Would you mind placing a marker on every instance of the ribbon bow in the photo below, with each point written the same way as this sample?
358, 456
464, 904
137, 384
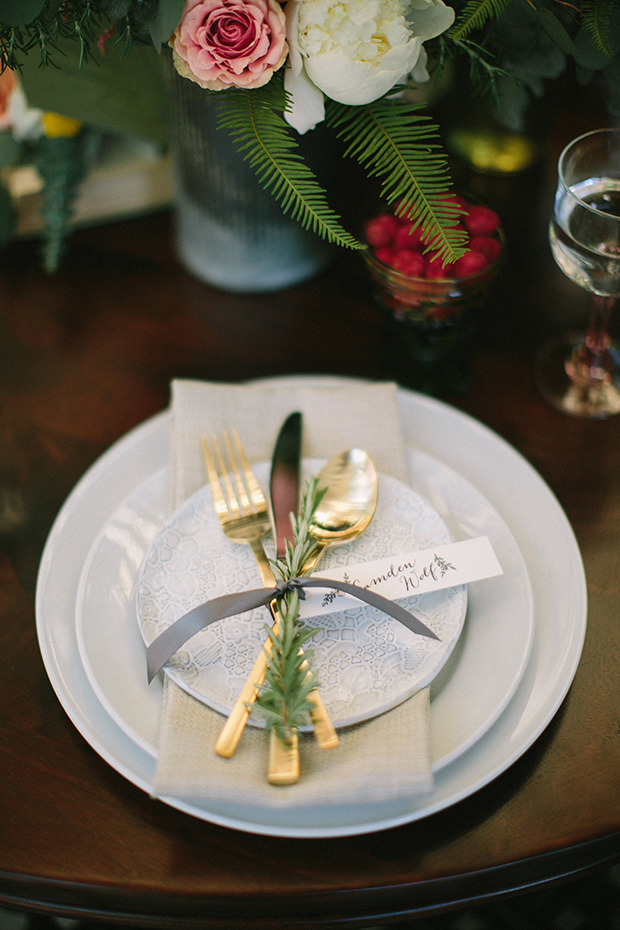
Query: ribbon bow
227, 605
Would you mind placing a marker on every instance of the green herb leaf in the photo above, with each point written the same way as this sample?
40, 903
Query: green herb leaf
284, 697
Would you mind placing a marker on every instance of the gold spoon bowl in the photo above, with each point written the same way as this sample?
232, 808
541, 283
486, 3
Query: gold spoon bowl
349, 503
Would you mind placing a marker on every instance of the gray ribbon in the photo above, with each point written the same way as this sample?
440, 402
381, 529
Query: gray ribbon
167, 643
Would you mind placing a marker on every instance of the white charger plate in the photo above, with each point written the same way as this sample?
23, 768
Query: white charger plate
367, 662
466, 699
474, 452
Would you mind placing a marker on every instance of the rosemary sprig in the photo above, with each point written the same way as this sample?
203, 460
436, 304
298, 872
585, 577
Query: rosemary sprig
284, 696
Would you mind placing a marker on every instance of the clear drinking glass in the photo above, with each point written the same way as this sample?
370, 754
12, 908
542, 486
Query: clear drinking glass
580, 373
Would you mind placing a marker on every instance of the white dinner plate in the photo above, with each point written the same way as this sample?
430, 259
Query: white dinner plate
368, 663
495, 650
475, 453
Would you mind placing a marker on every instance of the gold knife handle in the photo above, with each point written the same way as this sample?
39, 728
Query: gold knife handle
231, 733
228, 740
232, 730
324, 730
283, 759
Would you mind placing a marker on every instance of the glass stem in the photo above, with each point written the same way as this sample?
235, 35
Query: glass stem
591, 362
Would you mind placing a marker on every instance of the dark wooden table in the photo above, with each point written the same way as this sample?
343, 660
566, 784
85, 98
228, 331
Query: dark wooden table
87, 355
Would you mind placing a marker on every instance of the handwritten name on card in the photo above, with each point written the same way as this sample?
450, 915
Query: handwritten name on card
407, 575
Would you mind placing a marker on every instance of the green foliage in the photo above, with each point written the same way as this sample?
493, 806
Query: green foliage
42, 26
283, 699
7, 216
114, 93
80, 22
597, 16
512, 47
515, 46
62, 163
166, 18
557, 32
20, 12
10, 150
394, 141
255, 121
390, 138
475, 15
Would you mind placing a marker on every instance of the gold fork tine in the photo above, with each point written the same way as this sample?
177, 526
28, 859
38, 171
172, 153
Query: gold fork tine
256, 494
242, 492
234, 506
219, 501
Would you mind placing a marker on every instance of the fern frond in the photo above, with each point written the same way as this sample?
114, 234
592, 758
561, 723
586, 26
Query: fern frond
394, 141
596, 19
476, 14
255, 121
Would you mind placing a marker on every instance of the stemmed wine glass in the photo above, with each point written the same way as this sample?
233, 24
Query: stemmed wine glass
580, 374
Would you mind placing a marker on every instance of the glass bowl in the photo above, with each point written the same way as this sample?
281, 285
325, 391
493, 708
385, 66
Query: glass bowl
431, 322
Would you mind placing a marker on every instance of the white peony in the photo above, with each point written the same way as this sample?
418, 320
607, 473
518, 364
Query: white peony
354, 51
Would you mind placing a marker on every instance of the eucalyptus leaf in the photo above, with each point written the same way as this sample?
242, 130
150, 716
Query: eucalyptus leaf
556, 32
116, 93
166, 20
19, 12
513, 103
587, 54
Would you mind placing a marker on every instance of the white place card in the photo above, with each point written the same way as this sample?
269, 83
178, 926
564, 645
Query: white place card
406, 575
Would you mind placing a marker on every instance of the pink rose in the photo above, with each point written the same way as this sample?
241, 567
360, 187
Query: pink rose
230, 43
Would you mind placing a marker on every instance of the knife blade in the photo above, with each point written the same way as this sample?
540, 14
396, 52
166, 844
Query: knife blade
284, 480
284, 490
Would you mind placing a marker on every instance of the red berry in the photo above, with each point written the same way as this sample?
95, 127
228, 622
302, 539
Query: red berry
481, 221
380, 230
385, 255
408, 237
470, 263
435, 269
487, 245
460, 202
410, 263
454, 200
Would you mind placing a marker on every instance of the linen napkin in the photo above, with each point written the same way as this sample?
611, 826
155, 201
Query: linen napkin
384, 758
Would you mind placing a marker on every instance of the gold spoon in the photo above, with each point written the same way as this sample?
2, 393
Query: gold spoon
348, 505
343, 514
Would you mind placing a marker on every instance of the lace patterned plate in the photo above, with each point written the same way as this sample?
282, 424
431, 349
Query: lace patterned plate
367, 662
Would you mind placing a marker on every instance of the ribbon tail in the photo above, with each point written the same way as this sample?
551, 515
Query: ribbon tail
227, 605
172, 638
374, 600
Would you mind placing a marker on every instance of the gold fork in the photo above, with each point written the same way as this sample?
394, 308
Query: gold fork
243, 515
